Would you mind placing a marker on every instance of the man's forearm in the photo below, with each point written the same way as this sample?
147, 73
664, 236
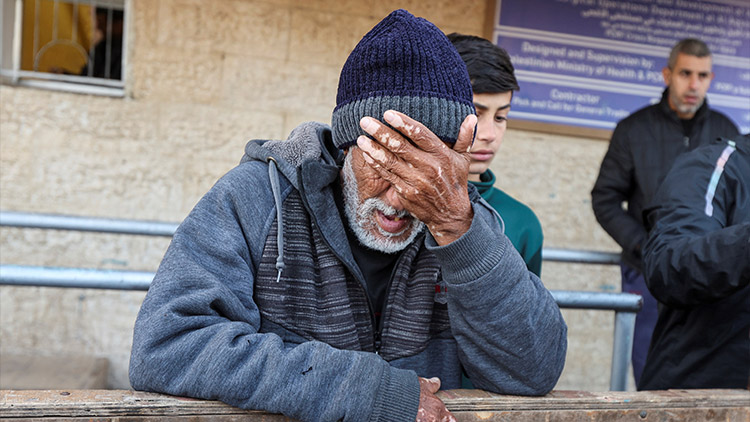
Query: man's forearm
508, 326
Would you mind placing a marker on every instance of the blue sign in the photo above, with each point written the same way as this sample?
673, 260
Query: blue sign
591, 63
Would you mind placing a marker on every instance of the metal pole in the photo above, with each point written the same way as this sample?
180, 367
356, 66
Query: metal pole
580, 256
16, 275
117, 279
622, 350
159, 228
87, 224
621, 302
17, 34
625, 305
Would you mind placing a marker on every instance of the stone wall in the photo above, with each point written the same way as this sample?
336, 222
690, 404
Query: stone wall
203, 78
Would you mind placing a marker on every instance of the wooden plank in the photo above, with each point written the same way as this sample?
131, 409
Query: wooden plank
481, 400
106, 403
467, 405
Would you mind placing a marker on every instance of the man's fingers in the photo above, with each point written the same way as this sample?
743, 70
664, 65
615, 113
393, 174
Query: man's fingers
386, 136
466, 135
435, 381
431, 408
415, 131
382, 162
388, 165
422, 137
405, 124
372, 151
432, 385
377, 157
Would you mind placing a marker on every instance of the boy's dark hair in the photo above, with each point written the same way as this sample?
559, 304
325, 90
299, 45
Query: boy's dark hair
489, 66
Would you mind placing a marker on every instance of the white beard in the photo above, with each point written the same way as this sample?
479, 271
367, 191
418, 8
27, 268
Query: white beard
686, 108
361, 216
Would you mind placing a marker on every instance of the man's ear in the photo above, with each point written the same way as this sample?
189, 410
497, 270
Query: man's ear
666, 73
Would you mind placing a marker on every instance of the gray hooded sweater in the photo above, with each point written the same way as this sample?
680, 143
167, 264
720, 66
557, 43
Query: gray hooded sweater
259, 303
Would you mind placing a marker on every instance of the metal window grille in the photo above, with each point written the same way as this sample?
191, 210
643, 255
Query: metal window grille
70, 45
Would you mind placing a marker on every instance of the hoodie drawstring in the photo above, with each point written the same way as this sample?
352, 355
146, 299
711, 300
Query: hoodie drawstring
273, 176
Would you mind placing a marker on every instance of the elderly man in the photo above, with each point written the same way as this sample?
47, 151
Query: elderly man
347, 274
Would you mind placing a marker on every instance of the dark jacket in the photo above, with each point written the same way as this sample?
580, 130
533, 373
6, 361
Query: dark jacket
697, 262
643, 147
259, 302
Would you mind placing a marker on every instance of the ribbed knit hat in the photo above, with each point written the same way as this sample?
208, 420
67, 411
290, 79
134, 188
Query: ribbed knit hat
406, 64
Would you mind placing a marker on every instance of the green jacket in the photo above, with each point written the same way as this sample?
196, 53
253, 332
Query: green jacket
521, 224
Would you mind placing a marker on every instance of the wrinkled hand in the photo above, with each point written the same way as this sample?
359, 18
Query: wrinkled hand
431, 408
429, 177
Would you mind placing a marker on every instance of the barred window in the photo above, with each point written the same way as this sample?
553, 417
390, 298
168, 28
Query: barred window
71, 45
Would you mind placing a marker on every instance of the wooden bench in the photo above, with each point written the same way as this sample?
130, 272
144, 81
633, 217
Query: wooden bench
467, 405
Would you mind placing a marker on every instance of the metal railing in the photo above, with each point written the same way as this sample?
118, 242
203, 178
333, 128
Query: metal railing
159, 228
86, 224
624, 305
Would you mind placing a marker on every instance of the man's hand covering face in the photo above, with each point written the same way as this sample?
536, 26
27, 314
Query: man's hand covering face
429, 177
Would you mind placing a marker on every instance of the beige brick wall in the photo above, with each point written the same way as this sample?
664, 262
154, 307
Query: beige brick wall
205, 77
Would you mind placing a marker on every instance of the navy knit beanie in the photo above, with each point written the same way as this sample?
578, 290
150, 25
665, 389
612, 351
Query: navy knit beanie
406, 64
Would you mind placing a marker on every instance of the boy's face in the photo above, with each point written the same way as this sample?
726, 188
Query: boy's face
492, 114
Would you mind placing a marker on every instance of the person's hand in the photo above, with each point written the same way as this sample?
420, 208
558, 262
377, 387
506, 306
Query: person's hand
429, 177
431, 408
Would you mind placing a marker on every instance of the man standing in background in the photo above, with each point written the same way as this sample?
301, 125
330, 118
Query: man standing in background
642, 149
493, 82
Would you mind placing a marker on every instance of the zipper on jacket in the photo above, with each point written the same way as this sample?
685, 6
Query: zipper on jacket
377, 336
370, 307
686, 141
346, 265
378, 326
377, 331
378, 342
370, 310
381, 327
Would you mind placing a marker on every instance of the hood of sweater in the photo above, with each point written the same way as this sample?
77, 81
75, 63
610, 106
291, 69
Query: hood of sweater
309, 161
309, 142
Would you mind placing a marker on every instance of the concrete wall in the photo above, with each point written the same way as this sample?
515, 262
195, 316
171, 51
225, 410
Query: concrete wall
203, 78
